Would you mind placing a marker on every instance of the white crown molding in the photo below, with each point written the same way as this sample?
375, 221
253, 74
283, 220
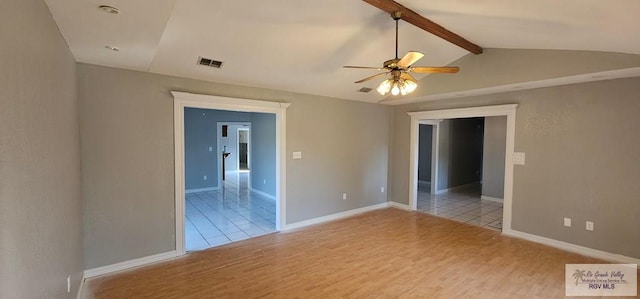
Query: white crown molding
583, 78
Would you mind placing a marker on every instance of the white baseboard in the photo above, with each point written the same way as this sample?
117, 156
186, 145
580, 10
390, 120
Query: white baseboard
456, 188
490, 198
129, 264
400, 206
201, 190
267, 195
603, 255
335, 216
80, 288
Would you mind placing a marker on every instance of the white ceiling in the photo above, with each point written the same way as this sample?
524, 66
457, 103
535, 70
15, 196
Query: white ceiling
302, 45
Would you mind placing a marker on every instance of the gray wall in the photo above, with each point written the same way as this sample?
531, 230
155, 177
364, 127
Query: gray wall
40, 200
460, 152
425, 143
200, 127
495, 142
263, 152
127, 152
583, 160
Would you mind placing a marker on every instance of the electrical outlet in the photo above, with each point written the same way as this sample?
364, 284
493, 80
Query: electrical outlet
381, 189
204, 177
68, 283
567, 222
344, 196
211, 148
589, 225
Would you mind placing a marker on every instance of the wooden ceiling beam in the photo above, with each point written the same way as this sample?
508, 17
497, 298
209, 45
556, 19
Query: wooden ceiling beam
419, 21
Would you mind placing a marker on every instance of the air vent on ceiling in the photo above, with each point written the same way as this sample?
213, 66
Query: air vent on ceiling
209, 62
364, 89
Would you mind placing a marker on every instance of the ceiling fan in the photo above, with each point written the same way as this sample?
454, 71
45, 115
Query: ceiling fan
401, 82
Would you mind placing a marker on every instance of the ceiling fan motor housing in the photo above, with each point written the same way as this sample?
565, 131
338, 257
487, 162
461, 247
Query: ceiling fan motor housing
391, 64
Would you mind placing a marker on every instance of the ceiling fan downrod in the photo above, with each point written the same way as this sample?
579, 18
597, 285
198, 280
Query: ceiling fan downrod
396, 16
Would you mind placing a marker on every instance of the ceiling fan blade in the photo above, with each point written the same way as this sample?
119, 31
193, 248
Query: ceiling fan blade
372, 77
363, 67
429, 69
410, 58
406, 76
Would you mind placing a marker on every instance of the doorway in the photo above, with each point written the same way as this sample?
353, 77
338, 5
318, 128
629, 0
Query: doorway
470, 169
243, 148
435, 117
232, 148
230, 208
184, 100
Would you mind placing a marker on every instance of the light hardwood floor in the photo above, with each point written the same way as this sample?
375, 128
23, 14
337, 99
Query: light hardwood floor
386, 253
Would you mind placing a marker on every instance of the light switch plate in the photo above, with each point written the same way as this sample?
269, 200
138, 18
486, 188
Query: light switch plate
518, 158
297, 155
567, 222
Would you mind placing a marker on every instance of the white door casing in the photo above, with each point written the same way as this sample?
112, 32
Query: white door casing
426, 116
182, 100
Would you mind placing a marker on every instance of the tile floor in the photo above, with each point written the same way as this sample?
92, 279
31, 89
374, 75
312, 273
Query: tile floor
233, 213
462, 205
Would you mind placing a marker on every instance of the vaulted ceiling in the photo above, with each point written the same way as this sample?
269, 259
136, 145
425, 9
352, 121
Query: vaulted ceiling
301, 45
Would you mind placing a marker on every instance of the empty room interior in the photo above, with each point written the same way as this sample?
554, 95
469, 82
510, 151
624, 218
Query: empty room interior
297, 149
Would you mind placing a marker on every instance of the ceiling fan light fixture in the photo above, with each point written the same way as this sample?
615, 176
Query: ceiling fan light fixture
384, 87
397, 86
408, 86
395, 90
401, 82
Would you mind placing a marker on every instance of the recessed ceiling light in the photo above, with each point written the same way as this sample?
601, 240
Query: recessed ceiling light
112, 48
109, 9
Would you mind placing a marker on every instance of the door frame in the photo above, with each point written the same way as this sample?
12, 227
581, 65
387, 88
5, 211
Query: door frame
248, 129
219, 147
182, 100
484, 111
